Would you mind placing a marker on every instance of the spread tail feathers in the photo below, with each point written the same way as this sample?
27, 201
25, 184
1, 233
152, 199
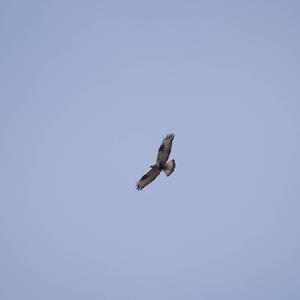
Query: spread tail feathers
169, 167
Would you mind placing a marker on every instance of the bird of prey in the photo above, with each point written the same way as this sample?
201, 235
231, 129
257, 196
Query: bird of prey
162, 163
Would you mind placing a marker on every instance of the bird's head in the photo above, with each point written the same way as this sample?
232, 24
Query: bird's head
154, 166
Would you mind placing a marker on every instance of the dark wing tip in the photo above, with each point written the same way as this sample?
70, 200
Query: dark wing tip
170, 136
138, 187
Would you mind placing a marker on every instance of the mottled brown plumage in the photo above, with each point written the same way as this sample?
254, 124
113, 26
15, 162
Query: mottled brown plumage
162, 163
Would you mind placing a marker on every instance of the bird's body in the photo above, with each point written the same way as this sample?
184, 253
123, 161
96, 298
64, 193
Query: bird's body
162, 163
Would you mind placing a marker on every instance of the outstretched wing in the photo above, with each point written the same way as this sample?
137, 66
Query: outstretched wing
147, 178
165, 150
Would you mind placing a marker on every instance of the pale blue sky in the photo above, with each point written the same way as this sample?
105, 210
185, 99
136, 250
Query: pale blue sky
88, 91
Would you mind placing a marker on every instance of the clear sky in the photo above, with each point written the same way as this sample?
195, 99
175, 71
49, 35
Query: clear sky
88, 91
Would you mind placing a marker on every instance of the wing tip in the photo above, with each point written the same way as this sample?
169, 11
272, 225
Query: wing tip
170, 136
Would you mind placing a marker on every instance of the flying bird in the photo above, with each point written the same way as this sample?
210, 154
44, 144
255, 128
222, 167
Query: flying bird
162, 163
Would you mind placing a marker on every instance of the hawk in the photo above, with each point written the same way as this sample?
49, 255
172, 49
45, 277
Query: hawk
162, 163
